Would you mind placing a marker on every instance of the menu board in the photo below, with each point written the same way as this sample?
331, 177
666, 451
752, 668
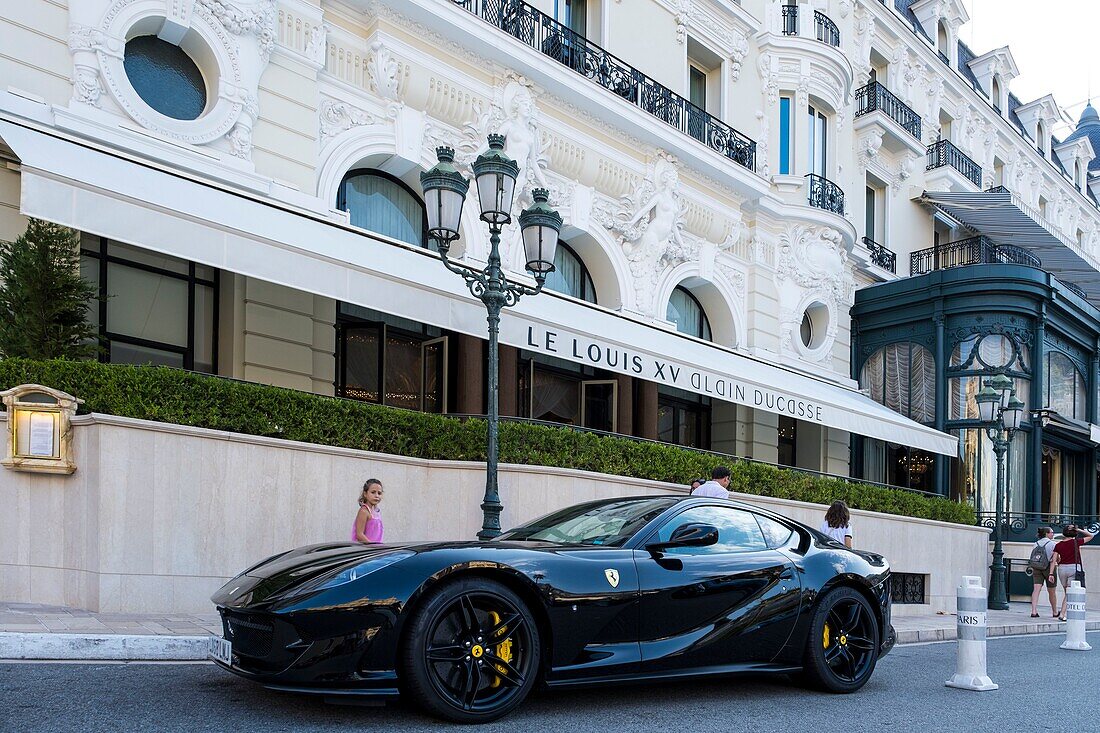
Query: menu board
42, 435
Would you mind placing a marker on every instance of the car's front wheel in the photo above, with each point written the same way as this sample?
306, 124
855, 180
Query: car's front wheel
843, 645
472, 651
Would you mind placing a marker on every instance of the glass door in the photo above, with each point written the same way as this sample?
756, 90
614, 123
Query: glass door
598, 404
433, 357
818, 139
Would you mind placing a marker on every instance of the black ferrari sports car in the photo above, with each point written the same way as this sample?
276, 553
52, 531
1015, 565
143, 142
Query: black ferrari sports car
625, 589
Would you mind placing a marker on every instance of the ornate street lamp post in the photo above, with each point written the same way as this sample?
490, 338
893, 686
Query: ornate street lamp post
444, 193
1000, 414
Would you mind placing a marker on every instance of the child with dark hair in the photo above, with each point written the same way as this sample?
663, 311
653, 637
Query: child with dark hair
838, 523
368, 521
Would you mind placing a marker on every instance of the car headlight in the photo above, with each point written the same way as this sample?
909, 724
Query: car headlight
351, 573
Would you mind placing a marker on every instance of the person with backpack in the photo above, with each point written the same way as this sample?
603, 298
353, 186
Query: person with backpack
1042, 554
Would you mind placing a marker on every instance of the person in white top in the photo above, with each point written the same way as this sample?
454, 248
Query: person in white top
838, 523
718, 486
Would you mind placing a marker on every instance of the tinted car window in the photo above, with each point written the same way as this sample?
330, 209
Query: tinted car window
776, 533
737, 530
608, 522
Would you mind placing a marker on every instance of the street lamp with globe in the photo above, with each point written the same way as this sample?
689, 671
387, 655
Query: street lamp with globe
1000, 413
444, 194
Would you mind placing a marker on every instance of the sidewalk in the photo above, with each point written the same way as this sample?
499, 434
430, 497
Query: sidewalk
33, 631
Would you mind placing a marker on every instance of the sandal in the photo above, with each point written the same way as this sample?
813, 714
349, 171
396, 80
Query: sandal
1035, 615
1062, 618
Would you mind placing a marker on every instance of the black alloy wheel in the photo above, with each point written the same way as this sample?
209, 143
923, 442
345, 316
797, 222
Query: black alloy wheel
843, 645
472, 651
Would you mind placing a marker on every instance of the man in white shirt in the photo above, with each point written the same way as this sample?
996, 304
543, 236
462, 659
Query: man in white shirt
718, 486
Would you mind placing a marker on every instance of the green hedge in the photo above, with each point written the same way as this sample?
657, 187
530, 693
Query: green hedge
184, 398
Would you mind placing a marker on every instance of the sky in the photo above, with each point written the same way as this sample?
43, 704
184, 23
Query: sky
1056, 45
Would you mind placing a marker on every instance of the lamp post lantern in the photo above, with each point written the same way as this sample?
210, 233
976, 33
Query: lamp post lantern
1000, 413
444, 194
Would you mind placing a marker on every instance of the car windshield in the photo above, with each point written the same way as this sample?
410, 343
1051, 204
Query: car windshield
608, 523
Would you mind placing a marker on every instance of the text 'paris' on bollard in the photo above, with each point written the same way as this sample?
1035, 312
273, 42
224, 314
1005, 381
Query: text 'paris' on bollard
970, 666
1075, 618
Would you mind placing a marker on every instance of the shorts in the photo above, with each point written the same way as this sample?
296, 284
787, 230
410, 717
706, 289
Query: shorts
1038, 577
1066, 573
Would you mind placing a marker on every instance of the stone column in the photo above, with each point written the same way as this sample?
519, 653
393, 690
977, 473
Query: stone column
624, 408
509, 378
645, 417
470, 385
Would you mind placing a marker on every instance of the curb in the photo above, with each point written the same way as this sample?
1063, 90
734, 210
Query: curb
107, 647
920, 636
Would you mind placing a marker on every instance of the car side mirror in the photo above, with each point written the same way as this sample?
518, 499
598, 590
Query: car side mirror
693, 534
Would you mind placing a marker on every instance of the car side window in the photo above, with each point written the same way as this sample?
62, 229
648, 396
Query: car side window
776, 533
738, 530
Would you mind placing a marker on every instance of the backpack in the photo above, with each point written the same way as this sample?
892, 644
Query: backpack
1038, 559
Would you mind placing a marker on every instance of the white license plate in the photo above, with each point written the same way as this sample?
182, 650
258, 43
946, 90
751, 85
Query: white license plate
219, 649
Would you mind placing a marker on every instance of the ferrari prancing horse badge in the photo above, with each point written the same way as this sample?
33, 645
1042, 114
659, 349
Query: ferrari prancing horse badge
612, 577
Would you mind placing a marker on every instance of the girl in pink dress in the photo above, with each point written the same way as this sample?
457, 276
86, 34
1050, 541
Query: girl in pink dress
368, 522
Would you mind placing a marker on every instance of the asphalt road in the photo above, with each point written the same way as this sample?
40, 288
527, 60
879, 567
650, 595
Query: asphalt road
905, 694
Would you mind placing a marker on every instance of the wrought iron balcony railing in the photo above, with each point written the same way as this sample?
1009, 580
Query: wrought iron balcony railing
824, 194
1074, 288
881, 255
875, 96
790, 20
973, 251
544, 34
944, 152
825, 29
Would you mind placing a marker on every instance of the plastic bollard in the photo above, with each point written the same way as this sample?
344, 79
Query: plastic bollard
970, 665
1075, 618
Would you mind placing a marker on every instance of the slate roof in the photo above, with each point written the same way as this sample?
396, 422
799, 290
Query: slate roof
1089, 127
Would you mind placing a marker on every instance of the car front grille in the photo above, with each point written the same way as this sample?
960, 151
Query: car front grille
252, 636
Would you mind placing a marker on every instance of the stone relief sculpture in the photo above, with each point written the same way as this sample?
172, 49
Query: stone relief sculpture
650, 223
812, 264
336, 117
383, 72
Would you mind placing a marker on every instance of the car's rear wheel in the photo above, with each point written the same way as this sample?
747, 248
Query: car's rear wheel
842, 649
471, 654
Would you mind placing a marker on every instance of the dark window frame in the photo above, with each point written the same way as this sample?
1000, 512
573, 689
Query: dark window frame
106, 336
586, 281
701, 407
703, 319
342, 203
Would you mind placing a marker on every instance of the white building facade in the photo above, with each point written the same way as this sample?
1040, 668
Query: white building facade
245, 179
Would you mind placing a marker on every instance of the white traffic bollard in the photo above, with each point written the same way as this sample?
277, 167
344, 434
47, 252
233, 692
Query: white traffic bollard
970, 666
1075, 618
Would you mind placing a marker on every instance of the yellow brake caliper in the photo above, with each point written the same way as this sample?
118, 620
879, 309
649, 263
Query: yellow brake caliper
825, 637
503, 649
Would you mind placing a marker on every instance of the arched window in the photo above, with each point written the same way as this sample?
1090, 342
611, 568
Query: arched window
996, 94
942, 42
1065, 387
686, 312
902, 377
570, 276
1044, 139
381, 203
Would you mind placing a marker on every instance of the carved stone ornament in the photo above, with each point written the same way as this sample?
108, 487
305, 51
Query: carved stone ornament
739, 48
650, 222
316, 49
256, 21
86, 87
762, 158
337, 117
769, 77
383, 70
814, 258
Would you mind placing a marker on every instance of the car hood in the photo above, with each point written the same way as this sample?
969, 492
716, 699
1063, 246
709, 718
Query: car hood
278, 574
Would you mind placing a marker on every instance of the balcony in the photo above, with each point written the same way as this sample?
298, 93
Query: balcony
881, 255
944, 153
544, 34
876, 98
824, 194
973, 251
825, 29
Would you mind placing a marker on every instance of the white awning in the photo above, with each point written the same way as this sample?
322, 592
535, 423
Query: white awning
105, 193
1006, 219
